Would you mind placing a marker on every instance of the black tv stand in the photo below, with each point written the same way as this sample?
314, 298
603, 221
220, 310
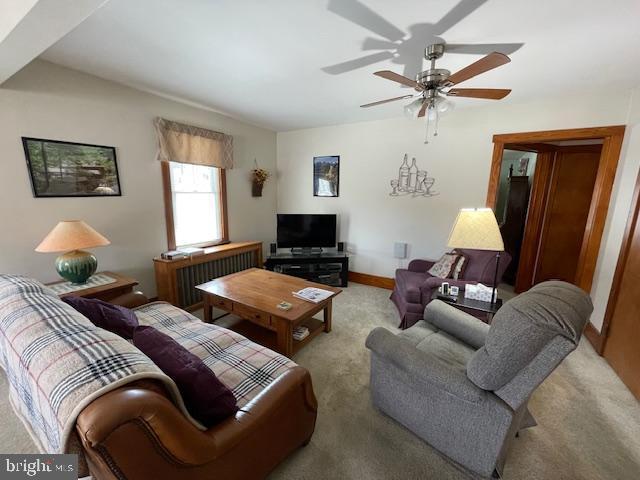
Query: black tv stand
327, 267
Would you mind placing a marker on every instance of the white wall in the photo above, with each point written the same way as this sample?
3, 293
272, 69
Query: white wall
12, 12
459, 158
626, 177
48, 101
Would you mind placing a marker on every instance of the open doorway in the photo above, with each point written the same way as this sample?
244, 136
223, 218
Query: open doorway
516, 177
550, 191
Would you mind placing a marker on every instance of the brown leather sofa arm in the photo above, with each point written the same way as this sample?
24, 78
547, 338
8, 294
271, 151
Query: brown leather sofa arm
130, 300
178, 439
259, 410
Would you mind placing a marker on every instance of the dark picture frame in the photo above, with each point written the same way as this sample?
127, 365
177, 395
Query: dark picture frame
69, 169
326, 176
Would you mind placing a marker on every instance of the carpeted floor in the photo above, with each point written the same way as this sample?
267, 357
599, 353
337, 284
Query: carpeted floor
589, 423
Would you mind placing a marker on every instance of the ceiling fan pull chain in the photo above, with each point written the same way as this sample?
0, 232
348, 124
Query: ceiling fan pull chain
426, 132
435, 128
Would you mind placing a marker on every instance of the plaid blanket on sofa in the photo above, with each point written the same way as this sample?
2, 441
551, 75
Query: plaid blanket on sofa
246, 368
57, 361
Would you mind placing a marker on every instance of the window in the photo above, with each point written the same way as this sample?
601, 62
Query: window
195, 204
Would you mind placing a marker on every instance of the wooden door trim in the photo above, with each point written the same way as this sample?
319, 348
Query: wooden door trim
627, 240
598, 212
596, 338
612, 144
494, 175
560, 135
535, 139
532, 147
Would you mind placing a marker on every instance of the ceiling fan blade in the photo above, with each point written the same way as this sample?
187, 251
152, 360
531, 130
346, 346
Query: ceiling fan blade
423, 109
380, 102
395, 77
485, 64
488, 93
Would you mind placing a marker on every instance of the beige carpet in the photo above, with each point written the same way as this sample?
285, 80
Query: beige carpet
589, 423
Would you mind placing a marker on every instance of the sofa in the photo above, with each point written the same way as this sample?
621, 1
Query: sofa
81, 389
415, 287
463, 386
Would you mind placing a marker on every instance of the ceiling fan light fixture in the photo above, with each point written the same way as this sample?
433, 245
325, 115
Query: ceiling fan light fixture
445, 106
412, 109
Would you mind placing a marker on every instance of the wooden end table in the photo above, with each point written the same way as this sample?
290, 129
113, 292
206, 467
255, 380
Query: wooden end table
109, 291
254, 295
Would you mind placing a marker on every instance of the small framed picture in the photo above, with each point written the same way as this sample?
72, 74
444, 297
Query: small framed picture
326, 176
523, 166
67, 169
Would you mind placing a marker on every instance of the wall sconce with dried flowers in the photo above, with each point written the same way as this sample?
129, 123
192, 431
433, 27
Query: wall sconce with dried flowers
258, 178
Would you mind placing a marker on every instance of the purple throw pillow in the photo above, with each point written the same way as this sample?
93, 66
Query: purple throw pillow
207, 398
119, 320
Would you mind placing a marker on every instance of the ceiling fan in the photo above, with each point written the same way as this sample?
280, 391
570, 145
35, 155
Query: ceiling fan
435, 84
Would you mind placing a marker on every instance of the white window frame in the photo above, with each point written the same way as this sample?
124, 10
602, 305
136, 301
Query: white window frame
170, 213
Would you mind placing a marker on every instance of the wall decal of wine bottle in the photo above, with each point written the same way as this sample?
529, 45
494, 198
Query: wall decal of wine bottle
412, 181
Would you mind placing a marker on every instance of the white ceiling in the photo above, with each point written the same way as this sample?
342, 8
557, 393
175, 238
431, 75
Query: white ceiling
262, 61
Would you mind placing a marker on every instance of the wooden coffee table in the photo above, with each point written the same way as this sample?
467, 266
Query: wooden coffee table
254, 295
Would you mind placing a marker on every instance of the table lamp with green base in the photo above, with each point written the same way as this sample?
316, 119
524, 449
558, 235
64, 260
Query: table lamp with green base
71, 236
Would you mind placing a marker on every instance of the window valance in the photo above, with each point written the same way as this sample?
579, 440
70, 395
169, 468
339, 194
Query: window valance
182, 143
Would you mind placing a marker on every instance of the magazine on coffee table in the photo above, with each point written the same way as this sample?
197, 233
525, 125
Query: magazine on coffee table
312, 294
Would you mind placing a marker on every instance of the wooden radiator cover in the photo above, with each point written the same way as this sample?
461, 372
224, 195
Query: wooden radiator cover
176, 279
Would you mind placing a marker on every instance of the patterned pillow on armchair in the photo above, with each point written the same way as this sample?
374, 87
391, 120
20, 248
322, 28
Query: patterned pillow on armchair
458, 268
444, 267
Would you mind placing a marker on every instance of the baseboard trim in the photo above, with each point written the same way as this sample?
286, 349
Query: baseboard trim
595, 337
372, 280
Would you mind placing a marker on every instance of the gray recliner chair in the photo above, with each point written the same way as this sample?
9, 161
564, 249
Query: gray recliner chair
462, 385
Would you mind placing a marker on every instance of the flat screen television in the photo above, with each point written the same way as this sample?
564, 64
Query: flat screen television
306, 230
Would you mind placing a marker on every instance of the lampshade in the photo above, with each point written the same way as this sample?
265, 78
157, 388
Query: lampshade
71, 235
476, 228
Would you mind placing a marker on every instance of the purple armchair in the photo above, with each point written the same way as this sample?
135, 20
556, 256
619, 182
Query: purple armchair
415, 287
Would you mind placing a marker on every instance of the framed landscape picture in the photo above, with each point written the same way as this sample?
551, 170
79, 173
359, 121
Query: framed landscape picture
66, 169
326, 176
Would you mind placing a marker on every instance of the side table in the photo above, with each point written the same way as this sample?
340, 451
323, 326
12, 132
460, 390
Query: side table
467, 304
109, 291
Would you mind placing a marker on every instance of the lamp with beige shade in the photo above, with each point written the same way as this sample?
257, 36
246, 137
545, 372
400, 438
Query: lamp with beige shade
71, 236
477, 229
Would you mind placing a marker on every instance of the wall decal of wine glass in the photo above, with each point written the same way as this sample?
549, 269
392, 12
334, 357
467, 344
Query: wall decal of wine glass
412, 181
394, 187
